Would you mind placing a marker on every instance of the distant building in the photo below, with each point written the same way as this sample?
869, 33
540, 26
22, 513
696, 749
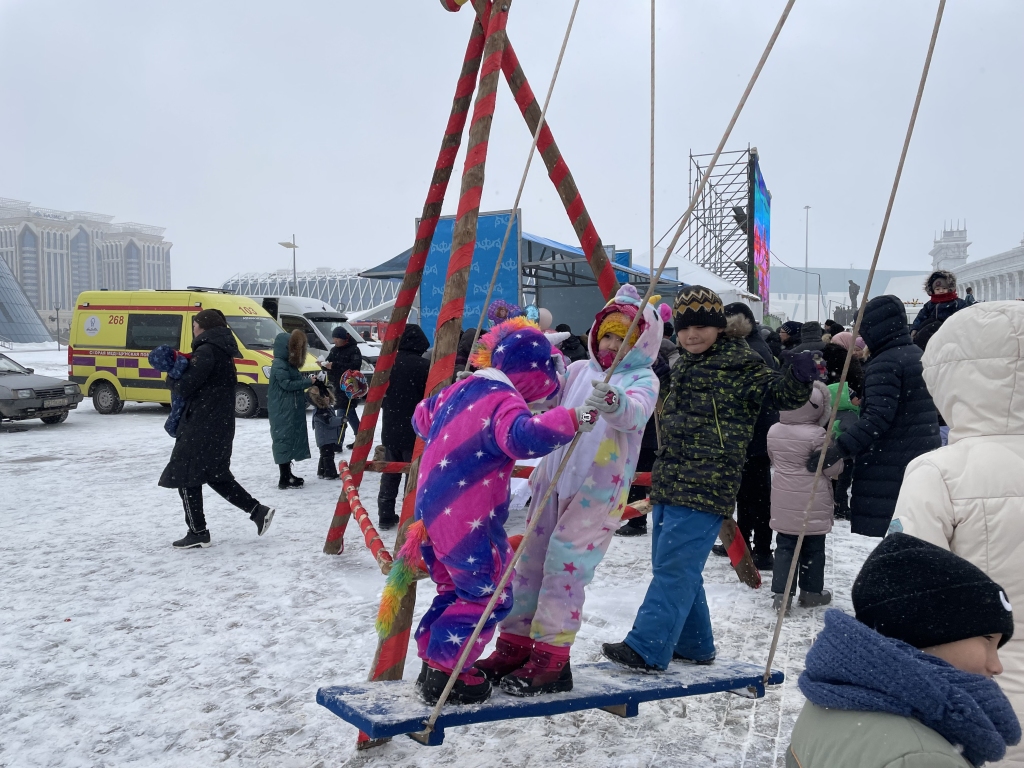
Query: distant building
993, 278
343, 289
19, 321
55, 255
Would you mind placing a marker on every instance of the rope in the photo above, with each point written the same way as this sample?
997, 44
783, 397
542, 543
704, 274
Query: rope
651, 223
503, 582
522, 182
856, 332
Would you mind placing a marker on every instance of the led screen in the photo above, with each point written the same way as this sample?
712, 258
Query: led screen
762, 233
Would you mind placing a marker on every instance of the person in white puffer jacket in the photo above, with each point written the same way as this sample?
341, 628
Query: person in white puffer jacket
969, 496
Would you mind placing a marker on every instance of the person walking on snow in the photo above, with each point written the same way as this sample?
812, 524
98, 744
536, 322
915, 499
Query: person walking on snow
286, 405
908, 682
718, 388
580, 516
473, 431
898, 421
790, 442
969, 497
206, 432
405, 390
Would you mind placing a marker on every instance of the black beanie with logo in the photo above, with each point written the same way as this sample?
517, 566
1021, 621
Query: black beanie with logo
924, 595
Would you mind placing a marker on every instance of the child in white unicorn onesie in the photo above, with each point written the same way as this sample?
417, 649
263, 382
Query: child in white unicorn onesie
577, 522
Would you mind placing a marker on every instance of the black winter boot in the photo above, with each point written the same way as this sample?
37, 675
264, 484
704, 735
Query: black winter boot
622, 654
637, 526
288, 480
471, 687
193, 541
262, 516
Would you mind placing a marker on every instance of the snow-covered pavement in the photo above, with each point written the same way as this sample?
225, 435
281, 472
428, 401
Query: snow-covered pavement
116, 650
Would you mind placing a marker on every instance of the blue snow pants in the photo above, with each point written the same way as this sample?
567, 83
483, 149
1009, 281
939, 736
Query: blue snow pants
674, 615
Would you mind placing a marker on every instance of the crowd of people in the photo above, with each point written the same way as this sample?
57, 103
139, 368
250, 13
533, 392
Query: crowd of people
730, 417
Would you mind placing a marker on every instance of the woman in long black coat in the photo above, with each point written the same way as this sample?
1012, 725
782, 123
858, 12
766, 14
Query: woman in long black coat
898, 420
202, 450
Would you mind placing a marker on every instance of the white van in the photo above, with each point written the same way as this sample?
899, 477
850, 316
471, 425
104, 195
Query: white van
316, 319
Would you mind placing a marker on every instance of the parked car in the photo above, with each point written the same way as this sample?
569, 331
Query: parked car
25, 394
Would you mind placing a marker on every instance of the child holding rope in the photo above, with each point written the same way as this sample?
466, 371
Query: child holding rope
577, 522
718, 387
474, 431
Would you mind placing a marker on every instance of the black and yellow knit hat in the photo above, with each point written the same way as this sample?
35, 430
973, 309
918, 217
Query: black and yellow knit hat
697, 305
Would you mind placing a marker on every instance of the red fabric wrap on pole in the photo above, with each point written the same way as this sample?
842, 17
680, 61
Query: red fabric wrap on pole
370, 535
413, 275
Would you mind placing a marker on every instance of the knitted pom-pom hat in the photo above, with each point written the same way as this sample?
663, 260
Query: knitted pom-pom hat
521, 351
697, 305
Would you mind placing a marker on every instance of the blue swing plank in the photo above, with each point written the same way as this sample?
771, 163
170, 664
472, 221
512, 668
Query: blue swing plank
386, 709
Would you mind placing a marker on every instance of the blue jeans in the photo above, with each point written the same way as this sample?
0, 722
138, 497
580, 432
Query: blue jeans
674, 615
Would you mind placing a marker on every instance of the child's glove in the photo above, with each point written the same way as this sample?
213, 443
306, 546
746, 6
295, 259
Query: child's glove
463, 374
604, 397
807, 368
832, 455
585, 418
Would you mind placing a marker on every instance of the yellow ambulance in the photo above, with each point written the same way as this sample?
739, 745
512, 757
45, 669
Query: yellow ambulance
112, 333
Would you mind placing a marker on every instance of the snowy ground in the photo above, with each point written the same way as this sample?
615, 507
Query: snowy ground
116, 650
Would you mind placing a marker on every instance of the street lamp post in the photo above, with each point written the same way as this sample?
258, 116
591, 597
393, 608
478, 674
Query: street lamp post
807, 232
295, 274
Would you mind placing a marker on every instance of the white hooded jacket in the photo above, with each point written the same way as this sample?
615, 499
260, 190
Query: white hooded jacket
969, 496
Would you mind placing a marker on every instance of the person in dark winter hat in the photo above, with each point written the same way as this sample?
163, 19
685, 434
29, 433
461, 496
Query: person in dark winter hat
344, 356
908, 682
832, 327
206, 432
718, 387
406, 389
810, 338
944, 302
789, 332
898, 420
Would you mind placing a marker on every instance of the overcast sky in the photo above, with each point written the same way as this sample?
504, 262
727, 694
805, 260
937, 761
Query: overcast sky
236, 124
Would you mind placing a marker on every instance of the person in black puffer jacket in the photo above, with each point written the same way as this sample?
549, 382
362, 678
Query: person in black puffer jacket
944, 302
202, 450
344, 356
754, 499
572, 347
405, 390
898, 420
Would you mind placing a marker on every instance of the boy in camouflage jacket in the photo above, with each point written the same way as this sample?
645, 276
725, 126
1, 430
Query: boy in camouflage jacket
717, 388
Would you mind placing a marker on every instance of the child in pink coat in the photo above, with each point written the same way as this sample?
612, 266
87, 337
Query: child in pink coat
577, 522
790, 443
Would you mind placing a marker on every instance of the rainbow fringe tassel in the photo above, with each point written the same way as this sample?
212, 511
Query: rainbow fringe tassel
402, 574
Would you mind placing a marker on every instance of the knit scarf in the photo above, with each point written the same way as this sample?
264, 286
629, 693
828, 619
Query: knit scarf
852, 667
942, 298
